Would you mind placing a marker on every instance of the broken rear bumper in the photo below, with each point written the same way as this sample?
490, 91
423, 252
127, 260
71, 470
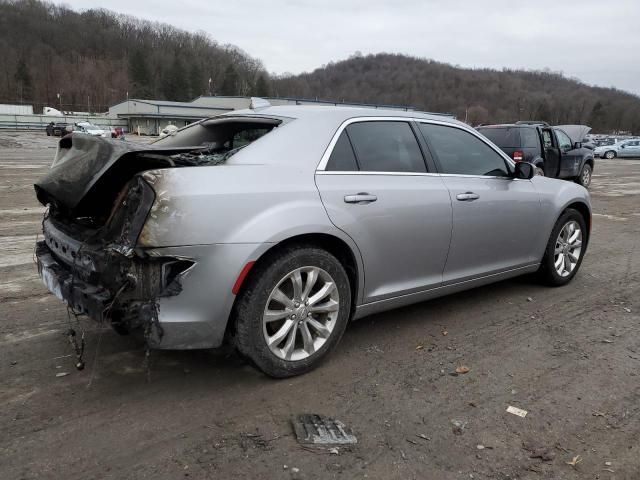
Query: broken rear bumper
193, 315
84, 298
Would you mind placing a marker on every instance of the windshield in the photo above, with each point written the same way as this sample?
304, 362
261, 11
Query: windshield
504, 137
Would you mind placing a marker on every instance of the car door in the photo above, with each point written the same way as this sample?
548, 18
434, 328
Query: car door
629, 149
552, 154
496, 218
375, 186
571, 158
634, 150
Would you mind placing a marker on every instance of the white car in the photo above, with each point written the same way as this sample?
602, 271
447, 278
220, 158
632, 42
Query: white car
91, 129
623, 148
168, 130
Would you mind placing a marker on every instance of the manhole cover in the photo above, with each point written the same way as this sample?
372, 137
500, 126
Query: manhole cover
321, 430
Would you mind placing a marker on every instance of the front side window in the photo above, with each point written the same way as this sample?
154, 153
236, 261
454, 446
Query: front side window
564, 142
546, 138
460, 152
386, 146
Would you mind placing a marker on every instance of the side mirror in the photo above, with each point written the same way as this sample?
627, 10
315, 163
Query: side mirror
524, 171
623, 146
577, 145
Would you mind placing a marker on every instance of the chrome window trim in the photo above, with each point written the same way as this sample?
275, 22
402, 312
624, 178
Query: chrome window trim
367, 172
329, 150
413, 174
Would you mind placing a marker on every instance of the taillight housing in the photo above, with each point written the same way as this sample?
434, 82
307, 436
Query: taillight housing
518, 156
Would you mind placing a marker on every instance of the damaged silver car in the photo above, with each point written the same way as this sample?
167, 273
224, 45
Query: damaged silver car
271, 228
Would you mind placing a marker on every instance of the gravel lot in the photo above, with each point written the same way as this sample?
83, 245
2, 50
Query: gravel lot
569, 356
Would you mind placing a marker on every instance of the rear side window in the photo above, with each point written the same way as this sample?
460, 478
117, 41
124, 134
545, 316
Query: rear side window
504, 137
386, 147
460, 152
529, 138
342, 158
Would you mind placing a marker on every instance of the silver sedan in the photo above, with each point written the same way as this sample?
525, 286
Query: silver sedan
272, 228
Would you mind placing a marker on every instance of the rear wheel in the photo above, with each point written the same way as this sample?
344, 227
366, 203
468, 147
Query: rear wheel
609, 154
293, 311
584, 178
565, 249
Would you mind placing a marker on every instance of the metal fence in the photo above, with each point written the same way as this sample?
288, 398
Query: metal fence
39, 122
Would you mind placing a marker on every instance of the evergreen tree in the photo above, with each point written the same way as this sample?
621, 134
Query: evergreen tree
23, 79
139, 75
262, 87
175, 85
195, 81
230, 82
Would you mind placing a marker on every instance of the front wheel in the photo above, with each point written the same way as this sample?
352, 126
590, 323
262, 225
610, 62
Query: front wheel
565, 249
584, 178
610, 154
293, 311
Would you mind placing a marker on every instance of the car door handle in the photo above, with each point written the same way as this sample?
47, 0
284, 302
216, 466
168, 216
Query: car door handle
467, 197
360, 198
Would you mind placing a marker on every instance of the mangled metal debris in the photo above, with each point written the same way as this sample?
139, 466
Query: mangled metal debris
312, 429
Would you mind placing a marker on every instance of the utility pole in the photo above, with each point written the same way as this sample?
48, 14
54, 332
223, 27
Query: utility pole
59, 101
209, 86
88, 105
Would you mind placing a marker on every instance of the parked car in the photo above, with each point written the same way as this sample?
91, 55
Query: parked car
550, 149
61, 129
117, 132
168, 130
606, 141
273, 228
91, 129
624, 148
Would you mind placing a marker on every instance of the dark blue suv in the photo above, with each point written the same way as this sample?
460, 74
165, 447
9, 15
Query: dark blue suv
550, 149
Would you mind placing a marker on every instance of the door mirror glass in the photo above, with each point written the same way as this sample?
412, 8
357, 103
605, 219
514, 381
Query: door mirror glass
577, 145
524, 171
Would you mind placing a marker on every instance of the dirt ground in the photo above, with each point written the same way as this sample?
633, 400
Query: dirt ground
569, 356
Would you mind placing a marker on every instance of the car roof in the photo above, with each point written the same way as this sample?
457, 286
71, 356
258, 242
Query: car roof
340, 113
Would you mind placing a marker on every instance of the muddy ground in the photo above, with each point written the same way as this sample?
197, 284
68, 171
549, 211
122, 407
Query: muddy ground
569, 356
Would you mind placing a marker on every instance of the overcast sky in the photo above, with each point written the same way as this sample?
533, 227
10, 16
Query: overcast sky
596, 41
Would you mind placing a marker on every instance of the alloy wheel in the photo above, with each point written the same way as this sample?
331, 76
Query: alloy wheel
586, 176
609, 155
568, 248
301, 313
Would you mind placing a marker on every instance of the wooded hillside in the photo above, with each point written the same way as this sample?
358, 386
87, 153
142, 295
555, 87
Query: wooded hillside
479, 95
96, 56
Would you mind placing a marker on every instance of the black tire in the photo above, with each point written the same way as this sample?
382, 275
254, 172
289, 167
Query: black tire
584, 178
252, 300
547, 271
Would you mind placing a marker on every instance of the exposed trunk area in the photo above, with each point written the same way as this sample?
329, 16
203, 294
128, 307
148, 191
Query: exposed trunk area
98, 204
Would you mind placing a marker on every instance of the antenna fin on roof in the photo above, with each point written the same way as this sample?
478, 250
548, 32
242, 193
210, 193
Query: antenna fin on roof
257, 102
